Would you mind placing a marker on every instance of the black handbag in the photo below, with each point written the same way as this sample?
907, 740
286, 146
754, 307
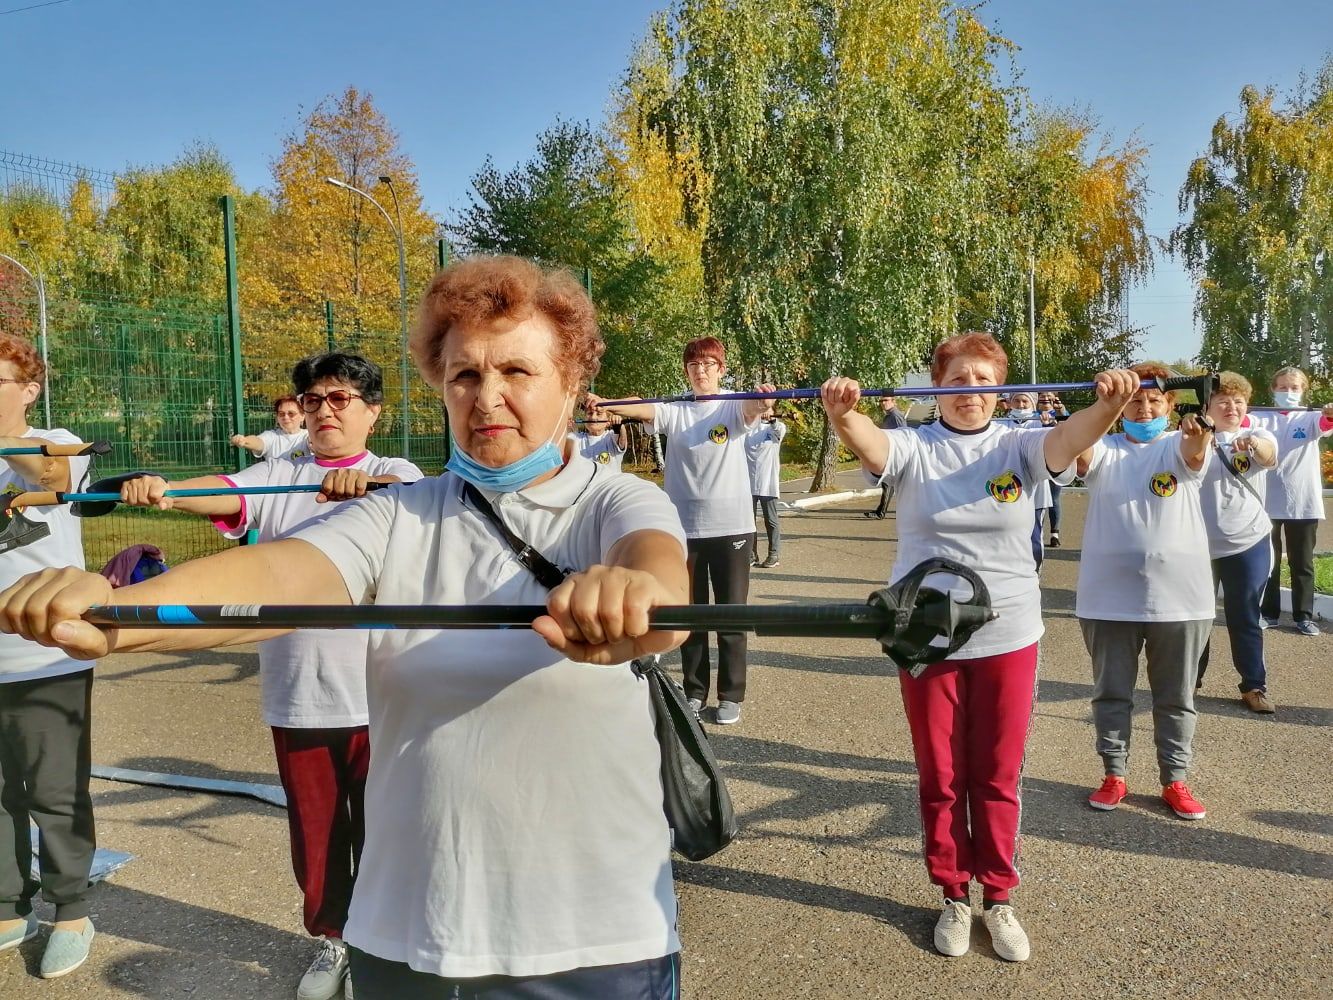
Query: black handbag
694, 795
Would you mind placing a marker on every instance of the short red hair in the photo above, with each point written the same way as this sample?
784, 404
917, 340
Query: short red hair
23, 356
479, 290
981, 346
277, 403
706, 347
1154, 369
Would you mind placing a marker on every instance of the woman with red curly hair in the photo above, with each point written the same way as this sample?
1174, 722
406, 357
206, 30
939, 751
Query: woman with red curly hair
1145, 585
516, 845
965, 488
45, 699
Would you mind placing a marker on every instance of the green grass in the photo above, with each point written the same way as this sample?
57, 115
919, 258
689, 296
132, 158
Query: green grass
1323, 574
180, 536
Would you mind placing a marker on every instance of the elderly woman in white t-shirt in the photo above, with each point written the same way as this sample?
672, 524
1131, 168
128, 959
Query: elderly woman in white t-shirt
708, 479
1145, 586
1295, 500
965, 486
516, 844
1232, 501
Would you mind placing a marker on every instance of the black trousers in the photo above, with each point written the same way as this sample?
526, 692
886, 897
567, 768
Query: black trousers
725, 563
654, 979
1300, 560
45, 764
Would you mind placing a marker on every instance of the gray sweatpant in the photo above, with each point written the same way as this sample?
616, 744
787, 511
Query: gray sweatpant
1173, 650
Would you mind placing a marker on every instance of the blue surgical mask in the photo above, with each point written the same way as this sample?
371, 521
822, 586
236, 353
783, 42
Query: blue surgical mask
1022, 414
1287, 397
1144, 433
507, 478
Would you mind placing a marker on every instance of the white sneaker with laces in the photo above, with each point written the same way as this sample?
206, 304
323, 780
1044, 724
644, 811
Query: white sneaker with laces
953, 930
1007, 936
324, 979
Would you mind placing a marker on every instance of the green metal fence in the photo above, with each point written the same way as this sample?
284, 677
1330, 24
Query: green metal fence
159, 384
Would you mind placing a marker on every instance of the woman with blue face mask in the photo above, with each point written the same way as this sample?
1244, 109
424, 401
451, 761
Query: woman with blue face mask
1145, 585
515, 845
1294, 501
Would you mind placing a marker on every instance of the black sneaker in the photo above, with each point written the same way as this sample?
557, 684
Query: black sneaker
1055, 540
769, 563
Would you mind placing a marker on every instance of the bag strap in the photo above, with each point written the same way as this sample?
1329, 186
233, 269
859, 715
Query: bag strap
548, 574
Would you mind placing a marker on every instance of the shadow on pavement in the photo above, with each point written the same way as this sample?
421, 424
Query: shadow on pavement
1053, 810
1319, 823
915, 922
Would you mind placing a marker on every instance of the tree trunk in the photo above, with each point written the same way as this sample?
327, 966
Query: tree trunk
827, 462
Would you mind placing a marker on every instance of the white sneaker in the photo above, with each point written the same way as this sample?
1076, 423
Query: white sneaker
953, 931
324, 979
1007, 936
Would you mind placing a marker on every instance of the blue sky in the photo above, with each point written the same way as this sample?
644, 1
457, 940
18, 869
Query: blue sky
107, 83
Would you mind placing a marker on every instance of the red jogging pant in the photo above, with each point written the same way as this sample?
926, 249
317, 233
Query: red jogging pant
969, 722
323, 772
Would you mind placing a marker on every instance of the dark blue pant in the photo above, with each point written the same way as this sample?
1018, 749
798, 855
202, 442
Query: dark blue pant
655, 979
1243, 577
1055, 508
768, 507
1038, 550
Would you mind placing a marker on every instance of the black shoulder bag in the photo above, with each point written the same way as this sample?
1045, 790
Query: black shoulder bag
694, 795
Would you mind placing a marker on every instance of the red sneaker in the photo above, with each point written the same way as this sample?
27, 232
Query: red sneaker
1109, 795
1178, 796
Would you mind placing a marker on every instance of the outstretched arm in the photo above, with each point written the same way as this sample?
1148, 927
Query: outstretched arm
1072, 438
854, 429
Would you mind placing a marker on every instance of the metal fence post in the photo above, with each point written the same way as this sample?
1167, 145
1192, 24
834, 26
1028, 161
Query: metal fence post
328, 322
234, 321
441, 253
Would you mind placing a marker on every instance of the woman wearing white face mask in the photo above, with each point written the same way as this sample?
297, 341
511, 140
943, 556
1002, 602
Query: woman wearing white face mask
516, 845
1145, 585
1295, 500
1233, 512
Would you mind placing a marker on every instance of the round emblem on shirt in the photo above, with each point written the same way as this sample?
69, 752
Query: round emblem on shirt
1006, 487
13, 490
1242, 463
604, 457
294, 455
718, 435
1163, 484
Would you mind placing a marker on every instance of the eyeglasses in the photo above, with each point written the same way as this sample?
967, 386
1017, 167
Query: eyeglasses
338, 400
19, 381
701, 366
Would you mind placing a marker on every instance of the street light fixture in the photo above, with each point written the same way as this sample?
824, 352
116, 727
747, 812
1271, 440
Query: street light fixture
40, 281
397, 228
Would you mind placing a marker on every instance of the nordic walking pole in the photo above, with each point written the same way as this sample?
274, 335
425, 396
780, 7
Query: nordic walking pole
52, 498
61, 450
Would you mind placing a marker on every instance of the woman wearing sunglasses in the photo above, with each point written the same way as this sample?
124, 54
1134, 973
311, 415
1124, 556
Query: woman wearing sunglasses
313, 681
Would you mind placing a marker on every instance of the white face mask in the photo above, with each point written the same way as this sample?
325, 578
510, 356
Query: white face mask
1287, 397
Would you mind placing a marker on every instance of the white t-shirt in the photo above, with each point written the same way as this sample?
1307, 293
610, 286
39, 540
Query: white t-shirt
968, 497
1145, 549
603, 449
763, 446
1234, 519
1041, 492
21, 660
707, 477
514, 820
311, 678
279, 444
1295, 489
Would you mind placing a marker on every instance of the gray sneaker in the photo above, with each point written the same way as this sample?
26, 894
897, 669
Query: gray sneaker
1267, 623
25, 931
728, 713
66, 951
324, 979
696, 705
1308, 627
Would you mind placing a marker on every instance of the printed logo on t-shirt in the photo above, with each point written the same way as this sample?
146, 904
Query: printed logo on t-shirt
296, 455
1298, 434
604, 457
1163, 484
1242, 463
718, 435
12, 490
1006, 487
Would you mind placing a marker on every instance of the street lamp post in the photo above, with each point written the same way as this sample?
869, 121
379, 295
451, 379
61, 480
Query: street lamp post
39, 280
402, 292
